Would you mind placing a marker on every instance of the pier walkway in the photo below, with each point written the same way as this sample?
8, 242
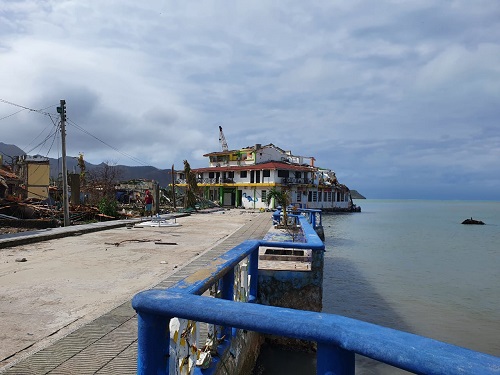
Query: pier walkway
108, 344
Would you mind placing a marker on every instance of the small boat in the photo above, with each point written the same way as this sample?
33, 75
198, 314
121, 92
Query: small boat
472, 221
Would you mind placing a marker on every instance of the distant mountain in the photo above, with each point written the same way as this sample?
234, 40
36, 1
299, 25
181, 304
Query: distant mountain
162, 176
9, 151
356, 195
126, 173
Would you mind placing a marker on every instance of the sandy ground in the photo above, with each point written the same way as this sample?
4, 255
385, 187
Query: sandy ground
51, 288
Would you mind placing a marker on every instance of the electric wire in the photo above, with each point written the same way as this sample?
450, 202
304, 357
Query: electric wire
42, 143
39, 134
105, 143
51, 134
12, 114
42, 111
54, 137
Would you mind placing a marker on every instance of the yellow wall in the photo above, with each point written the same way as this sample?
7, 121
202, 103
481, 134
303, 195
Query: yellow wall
38, 192
38, 180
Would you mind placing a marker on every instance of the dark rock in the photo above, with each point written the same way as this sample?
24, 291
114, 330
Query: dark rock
472, 221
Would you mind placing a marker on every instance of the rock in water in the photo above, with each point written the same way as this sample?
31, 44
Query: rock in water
472, 221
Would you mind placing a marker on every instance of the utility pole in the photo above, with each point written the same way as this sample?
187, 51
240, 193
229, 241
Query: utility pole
62, 111
172, 176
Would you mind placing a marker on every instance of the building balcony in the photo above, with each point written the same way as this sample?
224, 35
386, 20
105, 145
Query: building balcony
296, 181
207, 181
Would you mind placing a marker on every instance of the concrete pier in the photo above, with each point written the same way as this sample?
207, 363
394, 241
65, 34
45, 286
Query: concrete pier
93, 341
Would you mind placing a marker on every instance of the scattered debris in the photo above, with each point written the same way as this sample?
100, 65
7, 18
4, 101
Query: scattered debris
119, 243
21, 260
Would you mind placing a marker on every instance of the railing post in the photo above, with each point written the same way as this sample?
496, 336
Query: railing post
228, 285
330, 359
253, 271
153, 343
228, 293
313, 219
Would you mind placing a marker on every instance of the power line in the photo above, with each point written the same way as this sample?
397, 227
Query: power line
41, 111
54, 137
50, 134
12, 114
107, 144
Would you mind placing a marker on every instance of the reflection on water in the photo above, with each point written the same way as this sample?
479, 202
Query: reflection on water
411, 265
346, 292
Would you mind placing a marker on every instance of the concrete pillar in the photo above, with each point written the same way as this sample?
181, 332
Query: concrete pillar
156, 198
74, 183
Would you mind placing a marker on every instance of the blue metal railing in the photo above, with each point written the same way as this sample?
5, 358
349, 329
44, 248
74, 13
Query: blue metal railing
338, 338
312, 215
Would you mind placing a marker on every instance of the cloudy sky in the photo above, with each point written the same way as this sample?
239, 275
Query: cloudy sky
400, 98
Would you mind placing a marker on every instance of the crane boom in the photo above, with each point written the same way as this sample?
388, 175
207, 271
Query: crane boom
222, 140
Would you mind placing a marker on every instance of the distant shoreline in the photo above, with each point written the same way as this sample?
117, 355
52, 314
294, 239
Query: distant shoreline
356, 195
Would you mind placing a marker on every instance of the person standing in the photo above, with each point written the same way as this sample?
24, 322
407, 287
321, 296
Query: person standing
148, 201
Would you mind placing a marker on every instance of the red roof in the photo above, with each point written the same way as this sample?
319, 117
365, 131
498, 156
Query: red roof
6, 174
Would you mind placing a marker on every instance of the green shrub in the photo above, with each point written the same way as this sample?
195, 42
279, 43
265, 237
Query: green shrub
108, 206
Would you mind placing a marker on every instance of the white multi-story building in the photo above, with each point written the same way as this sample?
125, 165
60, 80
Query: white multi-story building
243, 178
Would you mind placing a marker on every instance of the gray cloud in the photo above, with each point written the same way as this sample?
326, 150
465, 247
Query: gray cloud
400, 98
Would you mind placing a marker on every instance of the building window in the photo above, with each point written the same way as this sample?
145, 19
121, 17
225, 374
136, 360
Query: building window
299, 196
243, 174
309, 197
211, 174
230, 174
315, 196
320, 195
214, 194
282, 173
298, 174
266, 173
264, 195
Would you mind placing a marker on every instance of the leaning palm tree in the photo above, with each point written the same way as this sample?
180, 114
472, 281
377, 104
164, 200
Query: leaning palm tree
280, 197
191, 186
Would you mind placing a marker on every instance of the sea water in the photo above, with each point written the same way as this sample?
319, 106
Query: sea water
411, 265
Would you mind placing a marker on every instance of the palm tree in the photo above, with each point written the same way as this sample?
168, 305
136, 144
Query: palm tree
280, 197
192, 186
